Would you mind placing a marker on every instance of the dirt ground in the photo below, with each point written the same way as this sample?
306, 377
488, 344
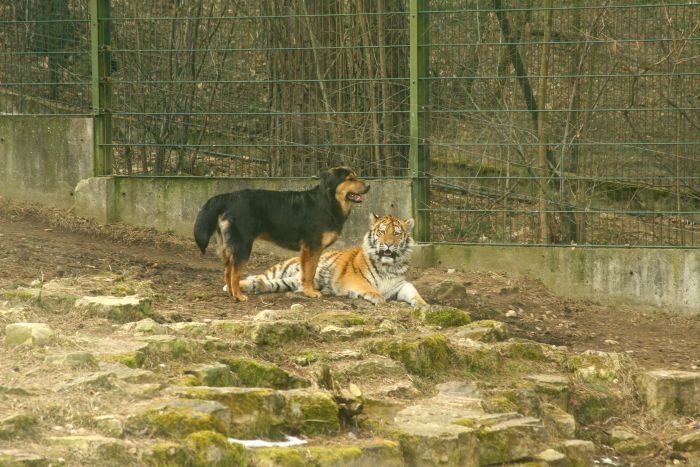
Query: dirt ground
42, 244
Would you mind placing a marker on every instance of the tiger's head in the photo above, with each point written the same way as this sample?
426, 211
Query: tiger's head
389, 238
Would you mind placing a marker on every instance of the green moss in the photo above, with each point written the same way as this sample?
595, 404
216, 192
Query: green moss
279, 457
424, 356
310, 412
213, 449
186, 380
480, 360
18, 426
179, 421
306, 358
592, 404
500, 404
335, 456
130, 359
254, 373
340, 318
468, 422
279, 332
167, 454
525, 350
232, 328
445, 317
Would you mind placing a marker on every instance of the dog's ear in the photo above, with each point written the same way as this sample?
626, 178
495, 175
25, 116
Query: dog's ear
329, 181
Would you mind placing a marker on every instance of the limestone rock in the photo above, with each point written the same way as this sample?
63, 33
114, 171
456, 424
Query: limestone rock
144, 326
255, 373
227, 326
550, 457
217, 374
94, 447
361, 454
310, 412
483, 331
423, 356
209, 448
190, 329
672, 392
592, 366
180, 417
579, 452
118, 309
279, 332
110, 425
32, 334
450, 290
337, 333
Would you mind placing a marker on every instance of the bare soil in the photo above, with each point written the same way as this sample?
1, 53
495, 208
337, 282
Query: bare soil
38, 243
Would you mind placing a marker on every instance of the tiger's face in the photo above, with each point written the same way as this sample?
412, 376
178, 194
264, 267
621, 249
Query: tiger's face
389, 237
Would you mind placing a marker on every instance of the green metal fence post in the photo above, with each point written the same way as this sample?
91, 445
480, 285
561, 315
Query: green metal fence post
101, 88
419, 157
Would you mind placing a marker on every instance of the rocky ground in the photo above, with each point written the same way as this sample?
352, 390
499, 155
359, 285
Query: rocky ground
121, 349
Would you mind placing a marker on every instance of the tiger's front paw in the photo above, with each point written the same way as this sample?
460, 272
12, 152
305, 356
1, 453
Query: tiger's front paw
375, 299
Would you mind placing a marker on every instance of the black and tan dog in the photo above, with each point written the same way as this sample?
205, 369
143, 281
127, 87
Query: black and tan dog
308, 221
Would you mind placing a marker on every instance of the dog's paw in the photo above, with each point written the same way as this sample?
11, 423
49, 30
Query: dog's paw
311, 293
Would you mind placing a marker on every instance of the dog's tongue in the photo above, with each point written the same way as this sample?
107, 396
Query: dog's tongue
354, 197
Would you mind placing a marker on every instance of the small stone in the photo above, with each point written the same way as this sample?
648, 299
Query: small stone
611, 342
145, 326
267, 315
451, 271
511, 314
110, 425
32, 334
297, 307
618, 434
553, 458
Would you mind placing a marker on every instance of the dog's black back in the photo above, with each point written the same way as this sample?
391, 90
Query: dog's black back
285, 217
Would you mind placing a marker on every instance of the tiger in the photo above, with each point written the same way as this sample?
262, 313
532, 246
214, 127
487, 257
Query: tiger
373, 271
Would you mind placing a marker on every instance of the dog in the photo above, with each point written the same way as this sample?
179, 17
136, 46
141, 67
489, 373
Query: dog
307, 221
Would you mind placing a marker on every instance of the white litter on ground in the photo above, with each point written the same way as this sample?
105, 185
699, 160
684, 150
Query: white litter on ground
261, 443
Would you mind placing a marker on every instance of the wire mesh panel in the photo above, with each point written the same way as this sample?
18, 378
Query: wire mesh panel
44, 57
532, 122
595, 142
259, 88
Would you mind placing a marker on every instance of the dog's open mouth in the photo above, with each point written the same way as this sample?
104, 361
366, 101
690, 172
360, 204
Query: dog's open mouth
354, 197
357, 197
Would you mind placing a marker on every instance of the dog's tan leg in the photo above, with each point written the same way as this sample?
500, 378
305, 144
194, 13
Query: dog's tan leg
227, 274
309, 262
234, 282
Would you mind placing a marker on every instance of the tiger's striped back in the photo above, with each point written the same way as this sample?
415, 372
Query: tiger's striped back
374, 271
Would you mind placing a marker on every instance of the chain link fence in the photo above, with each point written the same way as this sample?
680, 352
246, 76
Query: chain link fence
540, 122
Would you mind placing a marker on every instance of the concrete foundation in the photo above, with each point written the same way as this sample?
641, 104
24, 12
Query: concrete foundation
171, 204
42, 159
663, 278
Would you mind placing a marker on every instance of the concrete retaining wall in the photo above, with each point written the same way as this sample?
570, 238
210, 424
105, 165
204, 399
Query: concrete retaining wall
171, 204
43, 158
665, 278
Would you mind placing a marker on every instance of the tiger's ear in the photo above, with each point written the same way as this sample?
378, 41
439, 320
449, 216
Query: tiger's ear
373, 218
409, 223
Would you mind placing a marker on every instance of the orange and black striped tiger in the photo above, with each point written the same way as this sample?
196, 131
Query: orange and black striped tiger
374, 271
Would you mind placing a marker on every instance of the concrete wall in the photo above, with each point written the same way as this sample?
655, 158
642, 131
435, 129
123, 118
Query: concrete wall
43, 158
665, 278
172, 203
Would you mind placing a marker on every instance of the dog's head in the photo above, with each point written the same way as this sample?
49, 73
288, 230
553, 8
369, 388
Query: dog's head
342, 184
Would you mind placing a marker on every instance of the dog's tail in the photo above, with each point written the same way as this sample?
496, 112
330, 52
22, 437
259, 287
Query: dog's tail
207, 220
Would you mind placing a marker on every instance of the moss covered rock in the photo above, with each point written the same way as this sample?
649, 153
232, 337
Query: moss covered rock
255, 373
279, 332
117, 309
339, 318
671, 392
424, 356
217, 375
592, 366
178, 418
18, 426
310, 412
482, 331
20, 458
444, 316
212, 449
254, 412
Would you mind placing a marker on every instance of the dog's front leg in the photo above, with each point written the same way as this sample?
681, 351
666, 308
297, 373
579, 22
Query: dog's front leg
309, 261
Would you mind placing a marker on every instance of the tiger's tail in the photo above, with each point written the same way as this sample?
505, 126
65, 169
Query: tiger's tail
282, 277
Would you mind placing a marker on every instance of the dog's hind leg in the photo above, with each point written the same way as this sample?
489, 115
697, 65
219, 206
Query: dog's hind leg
241, 253
309, 261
